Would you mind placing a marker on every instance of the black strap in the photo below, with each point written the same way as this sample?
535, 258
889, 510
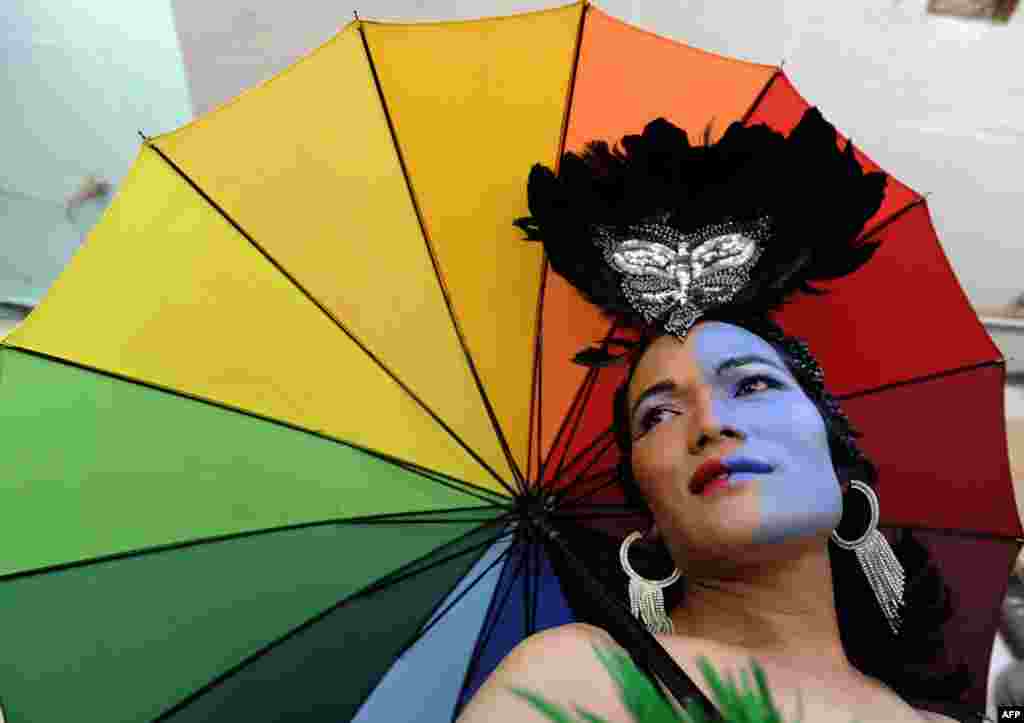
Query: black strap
629, 632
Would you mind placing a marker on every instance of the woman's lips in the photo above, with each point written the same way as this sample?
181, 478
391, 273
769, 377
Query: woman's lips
714, 485
712, 469
714, 473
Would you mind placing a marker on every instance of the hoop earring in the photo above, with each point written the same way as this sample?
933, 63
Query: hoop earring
646, 601
883, 570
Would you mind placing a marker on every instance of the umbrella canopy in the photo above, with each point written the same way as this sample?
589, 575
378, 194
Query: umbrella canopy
274, 439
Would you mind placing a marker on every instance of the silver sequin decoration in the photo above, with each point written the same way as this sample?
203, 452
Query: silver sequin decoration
678, 277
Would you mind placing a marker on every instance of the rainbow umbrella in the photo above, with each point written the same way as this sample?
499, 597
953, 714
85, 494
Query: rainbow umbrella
278, 442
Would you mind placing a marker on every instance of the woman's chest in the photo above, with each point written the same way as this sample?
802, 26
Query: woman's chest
822, 696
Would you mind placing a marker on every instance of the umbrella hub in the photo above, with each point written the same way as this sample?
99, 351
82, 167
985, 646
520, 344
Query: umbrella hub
534, 512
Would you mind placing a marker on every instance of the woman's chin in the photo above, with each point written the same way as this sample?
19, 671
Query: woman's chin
729, 537
740, 538
730, 514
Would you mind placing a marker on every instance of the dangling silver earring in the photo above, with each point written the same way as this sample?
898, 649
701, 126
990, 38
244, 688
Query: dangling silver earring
883, 570
646, 600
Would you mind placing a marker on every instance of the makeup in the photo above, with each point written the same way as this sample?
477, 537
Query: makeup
718, 473
785, 449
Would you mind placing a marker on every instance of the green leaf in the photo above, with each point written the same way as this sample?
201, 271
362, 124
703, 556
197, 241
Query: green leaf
722, 691
765, 693
638, 693
749, 701
694, 713
589, 717
552, 711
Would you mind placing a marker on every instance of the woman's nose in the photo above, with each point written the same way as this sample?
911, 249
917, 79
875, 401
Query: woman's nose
706, 427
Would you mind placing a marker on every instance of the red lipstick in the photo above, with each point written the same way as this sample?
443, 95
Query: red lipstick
708, 471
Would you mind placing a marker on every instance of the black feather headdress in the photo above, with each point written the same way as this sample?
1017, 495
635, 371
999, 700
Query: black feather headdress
789, 209
802, 198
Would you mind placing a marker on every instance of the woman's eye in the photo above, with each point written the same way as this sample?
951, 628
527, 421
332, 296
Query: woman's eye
755, 384
653, 417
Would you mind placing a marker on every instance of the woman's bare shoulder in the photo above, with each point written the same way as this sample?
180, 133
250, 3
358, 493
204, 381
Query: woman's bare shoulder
557, 663
550, 653
562, 639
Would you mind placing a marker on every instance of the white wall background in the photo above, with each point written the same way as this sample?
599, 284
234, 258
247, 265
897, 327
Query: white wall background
937, 101
79, 80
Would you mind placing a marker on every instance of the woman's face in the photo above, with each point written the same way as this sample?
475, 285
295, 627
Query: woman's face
724, 397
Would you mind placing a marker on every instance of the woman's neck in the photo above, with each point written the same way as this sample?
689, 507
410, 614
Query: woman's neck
784, 611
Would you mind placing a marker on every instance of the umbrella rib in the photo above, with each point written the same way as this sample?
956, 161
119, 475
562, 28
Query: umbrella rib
337, 322
538, 374
867, 235
528, 577
534, 589
407, 518
578, 485
870, 233
537, 401
577, 420
578, 400
575, 409
410, 570
227, 537
486, 631
540, 553
223, 677
606, 439
453, 483
437, 615
921, 379
563, 136
574, 485
603, 440
509, 457
760, 97
610, 482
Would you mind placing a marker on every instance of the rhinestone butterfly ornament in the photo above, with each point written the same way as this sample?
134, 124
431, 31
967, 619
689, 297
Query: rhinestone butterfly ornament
676, 277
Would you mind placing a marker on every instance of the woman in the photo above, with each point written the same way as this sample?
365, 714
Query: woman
730, 441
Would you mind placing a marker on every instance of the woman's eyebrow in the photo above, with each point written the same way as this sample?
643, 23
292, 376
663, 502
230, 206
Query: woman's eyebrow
665, 385
739, 361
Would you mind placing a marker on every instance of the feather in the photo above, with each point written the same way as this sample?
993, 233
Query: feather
815, 193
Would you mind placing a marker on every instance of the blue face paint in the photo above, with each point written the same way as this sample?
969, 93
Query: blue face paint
781, 426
